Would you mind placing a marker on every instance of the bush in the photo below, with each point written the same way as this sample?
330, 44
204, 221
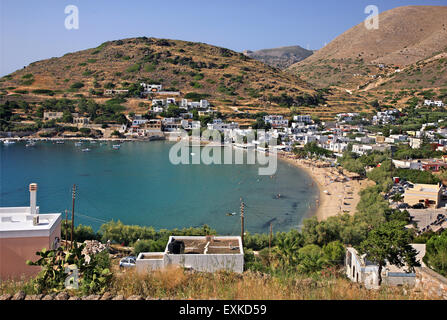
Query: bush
436, 253
85, 131
134, 68
77, 85
149, 245
43, 91
94, 276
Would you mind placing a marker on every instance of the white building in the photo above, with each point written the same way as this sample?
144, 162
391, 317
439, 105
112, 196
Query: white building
190, 124
151, 87
436, 103
111, 92
363, 149
138, 119
200, 253
202, 104
219, 125
415, 143
408, 164
346, 117
360, 269
276, 121
303, 118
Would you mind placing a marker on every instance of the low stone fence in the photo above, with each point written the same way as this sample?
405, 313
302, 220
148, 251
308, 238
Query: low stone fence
431, 283
65, 296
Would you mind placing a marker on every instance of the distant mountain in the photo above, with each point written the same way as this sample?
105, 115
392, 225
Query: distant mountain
405, 36
282, 57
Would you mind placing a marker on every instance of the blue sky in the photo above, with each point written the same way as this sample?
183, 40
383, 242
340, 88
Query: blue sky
34, 30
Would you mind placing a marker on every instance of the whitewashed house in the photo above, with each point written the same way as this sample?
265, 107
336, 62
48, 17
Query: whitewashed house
219, 125
303, 118
276, 121
359, 269
138, 119
199, 253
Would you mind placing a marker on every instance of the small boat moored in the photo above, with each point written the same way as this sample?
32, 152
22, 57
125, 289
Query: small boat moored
30, 143
8, 142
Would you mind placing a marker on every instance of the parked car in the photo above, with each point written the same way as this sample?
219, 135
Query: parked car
128, 262
403, 206
418, 206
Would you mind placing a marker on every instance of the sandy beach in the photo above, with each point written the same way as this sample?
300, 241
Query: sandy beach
337, 194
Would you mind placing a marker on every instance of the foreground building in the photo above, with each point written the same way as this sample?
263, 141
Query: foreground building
200, 253
359, 269
23, 232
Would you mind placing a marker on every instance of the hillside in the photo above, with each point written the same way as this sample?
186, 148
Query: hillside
224, 77
360, 56
282, 57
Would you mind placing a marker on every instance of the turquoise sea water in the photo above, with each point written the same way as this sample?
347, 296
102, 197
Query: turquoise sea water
138, 185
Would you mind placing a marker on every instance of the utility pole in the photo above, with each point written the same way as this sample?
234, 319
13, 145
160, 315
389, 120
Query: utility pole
270, 239
242, 222
72, 215
66, 230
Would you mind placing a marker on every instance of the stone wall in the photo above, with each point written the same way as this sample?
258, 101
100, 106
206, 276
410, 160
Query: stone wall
65, 296
431, 283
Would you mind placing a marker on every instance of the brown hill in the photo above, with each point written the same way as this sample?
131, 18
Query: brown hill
282, 57
405, 36
221, 75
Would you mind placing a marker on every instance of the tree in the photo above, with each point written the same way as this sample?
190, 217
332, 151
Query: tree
334, 252
436, 255
389, 242
397, 197
286, 249
67, 117
311, 259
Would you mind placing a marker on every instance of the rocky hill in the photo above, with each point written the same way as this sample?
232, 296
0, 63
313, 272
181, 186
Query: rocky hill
282, 57
221, 75
358, 57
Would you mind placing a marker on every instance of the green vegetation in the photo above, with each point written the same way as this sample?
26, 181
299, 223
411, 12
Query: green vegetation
77, 85
390, 242
94, 276
196, 96
436, 253
43, 91
312, 149
424, 152
134, 68
416, 176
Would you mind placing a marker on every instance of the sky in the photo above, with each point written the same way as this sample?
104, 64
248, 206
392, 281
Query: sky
35, 30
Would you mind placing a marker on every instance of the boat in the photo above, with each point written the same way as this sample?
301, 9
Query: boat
92, 141
78, 144
60, 141
8, 142
86, 150
116, 146
30, 143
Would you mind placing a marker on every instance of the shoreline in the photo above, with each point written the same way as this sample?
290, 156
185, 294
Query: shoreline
336, 193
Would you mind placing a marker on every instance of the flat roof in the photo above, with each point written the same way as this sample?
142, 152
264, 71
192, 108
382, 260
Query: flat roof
18, 222
217, 245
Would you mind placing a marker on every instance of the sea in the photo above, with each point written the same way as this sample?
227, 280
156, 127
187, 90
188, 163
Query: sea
138, 185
